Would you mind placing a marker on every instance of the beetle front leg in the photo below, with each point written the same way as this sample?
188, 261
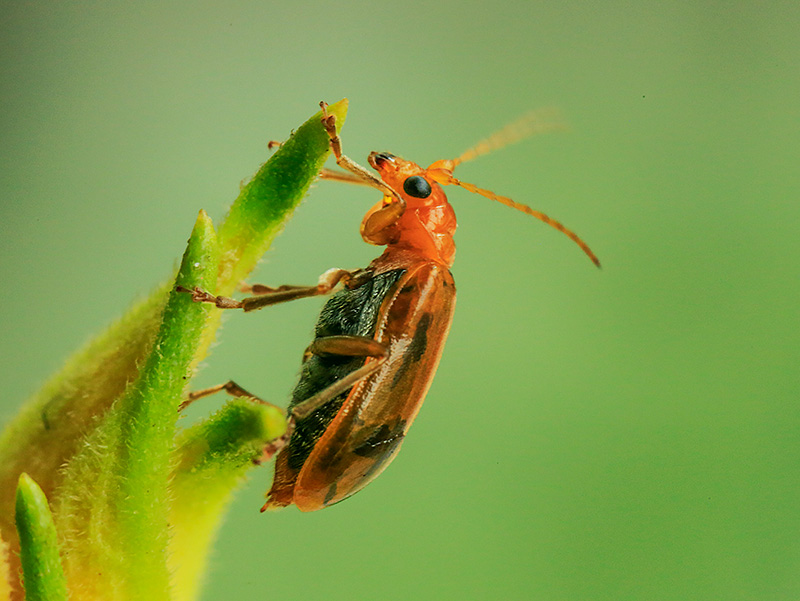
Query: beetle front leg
379, 226
345, 162
327, 282
341, 176
265, 296
201, 296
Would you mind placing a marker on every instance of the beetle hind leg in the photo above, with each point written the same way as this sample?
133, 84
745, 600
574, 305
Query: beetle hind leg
233, 389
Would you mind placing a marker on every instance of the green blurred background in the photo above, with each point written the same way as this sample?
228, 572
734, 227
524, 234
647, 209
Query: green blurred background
630, 433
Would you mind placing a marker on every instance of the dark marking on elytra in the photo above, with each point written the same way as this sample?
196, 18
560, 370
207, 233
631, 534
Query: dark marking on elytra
419, 343
383, 440
330, 494
416, 348
349, 312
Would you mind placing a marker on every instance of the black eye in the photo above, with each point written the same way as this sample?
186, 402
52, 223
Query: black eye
417, 187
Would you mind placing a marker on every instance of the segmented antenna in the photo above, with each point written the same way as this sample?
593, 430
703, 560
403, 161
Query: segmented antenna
534, 213
535, 122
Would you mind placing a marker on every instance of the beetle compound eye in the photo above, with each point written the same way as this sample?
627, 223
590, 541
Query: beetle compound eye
417, 186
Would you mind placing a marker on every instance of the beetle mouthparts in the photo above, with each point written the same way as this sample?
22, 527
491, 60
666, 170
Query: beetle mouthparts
379, 157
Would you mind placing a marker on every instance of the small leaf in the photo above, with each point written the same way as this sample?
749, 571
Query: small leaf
212, 460
266, 203
52, 424
41, 564
252, 223
114, 513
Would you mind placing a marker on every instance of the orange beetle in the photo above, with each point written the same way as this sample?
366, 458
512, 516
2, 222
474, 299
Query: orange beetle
379, 339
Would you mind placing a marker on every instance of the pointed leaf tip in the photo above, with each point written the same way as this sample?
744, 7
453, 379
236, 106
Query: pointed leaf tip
267, 201
41, 563
213, 458
199, 264
340, 110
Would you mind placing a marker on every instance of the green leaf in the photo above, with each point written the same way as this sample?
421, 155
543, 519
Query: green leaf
212, 460
69, 420
252, 224
52, 424
267, 202
49, 428
41, 564
113, 513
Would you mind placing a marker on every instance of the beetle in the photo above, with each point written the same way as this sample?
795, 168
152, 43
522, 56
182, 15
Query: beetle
379, 338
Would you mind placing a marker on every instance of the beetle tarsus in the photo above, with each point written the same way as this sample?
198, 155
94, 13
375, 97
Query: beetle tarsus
345, 162
201, 296
230, 387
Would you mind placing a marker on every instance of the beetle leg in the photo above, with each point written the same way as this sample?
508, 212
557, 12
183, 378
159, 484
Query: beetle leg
231, 387
201, 296
378, 226
344, 177
265, 296
347, 346
345, 162
259, 289
350, 346
272, 296
276, 444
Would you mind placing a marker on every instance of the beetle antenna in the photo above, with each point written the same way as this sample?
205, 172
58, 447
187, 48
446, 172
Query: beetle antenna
534, 122
444, 177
